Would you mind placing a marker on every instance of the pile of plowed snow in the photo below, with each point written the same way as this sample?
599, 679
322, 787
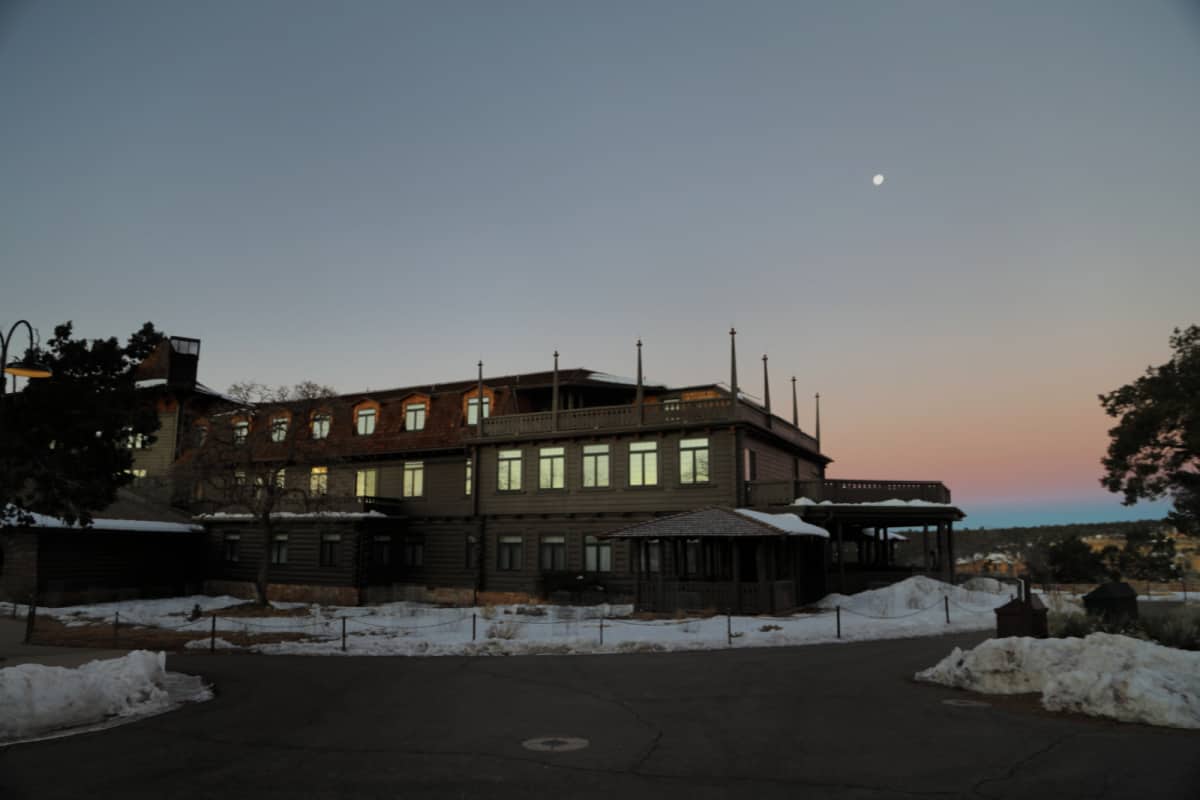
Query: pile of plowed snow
911, 595
37, 699
1104, 675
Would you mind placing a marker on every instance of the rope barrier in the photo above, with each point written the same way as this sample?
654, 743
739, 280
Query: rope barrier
900, 616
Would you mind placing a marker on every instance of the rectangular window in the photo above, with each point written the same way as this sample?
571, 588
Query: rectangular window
279, 549
136, 441
281, 479
279, 426
239, 477
200, 435
473, 410
414, 417
509, 477
693, 461
691, 552
554, 553
414, 478
331, 544
597, 554
414, 553
468, 477
229, 547
318, 481
508, 554
364, 482
595, 466
472, 552
381, 550
643, 463
364, 421
552, 466
137, 474
241, 431
320, 426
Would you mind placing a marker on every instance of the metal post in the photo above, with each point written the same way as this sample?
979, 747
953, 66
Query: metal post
766, 391
639, 398
478, 419
29, 620
946, 600
343, 634
212, 635
818, 431
795, 407
728, 628
554, 396
473, 618
602, 631
116, 626
839, 622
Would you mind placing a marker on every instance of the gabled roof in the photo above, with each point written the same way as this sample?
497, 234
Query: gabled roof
719, 521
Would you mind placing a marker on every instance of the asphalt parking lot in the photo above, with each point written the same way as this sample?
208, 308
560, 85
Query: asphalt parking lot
842, 721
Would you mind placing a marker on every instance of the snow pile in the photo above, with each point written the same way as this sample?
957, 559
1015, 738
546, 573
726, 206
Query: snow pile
911, 595
1104, 675
37, 699
168, 612
206, 644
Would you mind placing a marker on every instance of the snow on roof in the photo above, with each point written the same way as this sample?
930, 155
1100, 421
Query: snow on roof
144, 525
806, 501
789, 523
223, 515
149, 382
604, 377
891, 535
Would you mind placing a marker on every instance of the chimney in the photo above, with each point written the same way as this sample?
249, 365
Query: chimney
183, 361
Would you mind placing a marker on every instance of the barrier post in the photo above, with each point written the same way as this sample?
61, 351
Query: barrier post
29, 620
839, 621
116, 625
728, 628
212, 635
473, 617
343, 634
946, 599
602, 631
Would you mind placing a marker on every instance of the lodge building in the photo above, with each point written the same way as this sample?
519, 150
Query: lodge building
569, 484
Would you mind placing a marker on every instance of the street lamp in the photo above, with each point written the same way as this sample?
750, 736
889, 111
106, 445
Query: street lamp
27, 367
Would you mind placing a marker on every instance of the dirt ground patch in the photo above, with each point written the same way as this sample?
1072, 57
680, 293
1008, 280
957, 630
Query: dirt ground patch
49, 631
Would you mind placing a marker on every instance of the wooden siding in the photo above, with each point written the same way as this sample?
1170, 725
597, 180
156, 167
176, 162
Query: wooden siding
80, 566
158, 458
573, 529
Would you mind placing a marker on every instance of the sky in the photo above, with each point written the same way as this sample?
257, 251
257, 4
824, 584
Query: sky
376, 194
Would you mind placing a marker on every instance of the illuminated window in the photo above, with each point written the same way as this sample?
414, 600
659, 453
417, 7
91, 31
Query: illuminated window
281, 478
595, 466
279, 428
693, 461
468, 476
364, 482
364, 421
318, 481
508, 478
643, 463
414, 417
414, 478
241, 430
552, 463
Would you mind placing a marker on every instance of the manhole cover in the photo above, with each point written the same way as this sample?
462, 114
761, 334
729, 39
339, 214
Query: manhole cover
954, 701
555, 744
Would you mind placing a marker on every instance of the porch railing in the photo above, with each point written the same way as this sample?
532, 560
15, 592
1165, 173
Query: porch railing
775, 493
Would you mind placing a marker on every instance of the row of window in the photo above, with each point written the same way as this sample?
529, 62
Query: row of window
596, 474
365, 420
643, 470
510, 552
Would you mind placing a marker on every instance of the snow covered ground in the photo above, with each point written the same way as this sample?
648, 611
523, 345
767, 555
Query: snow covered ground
37, 700
1104, 675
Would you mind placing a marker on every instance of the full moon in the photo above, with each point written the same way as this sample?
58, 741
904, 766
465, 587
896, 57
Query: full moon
877, 180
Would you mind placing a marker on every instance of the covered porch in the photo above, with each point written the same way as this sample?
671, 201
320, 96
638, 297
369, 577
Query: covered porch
725, 559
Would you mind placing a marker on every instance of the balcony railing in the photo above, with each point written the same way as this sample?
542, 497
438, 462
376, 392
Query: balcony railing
651, 414
775, 493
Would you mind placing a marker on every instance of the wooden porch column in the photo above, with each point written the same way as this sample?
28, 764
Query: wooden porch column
925, 546
950, 549
635, 566
760, 568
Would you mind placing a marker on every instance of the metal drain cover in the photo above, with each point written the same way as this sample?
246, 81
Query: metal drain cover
555, 744
954, 701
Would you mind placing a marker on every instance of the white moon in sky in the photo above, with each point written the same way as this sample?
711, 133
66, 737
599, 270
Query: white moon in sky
877, 180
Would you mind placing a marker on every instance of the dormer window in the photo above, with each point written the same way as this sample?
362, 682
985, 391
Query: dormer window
200, 435
241, 431
279, 427
473, 409
364, 421
320, 425
414, 417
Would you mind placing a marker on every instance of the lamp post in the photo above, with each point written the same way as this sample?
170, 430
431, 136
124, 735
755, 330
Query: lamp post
26, 367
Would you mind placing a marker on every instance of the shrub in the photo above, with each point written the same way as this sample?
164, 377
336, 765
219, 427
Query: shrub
503, 630
488, 612
1178, 628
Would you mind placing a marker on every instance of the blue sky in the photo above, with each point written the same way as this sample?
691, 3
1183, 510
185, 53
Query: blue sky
374, 194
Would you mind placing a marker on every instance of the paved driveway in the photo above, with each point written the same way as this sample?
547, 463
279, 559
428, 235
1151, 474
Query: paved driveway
825, 721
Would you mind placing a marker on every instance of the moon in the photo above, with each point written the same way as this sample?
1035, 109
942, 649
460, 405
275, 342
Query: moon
878, 180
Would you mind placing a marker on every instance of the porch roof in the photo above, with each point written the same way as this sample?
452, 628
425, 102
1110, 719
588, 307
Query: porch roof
884, 513
720, 522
